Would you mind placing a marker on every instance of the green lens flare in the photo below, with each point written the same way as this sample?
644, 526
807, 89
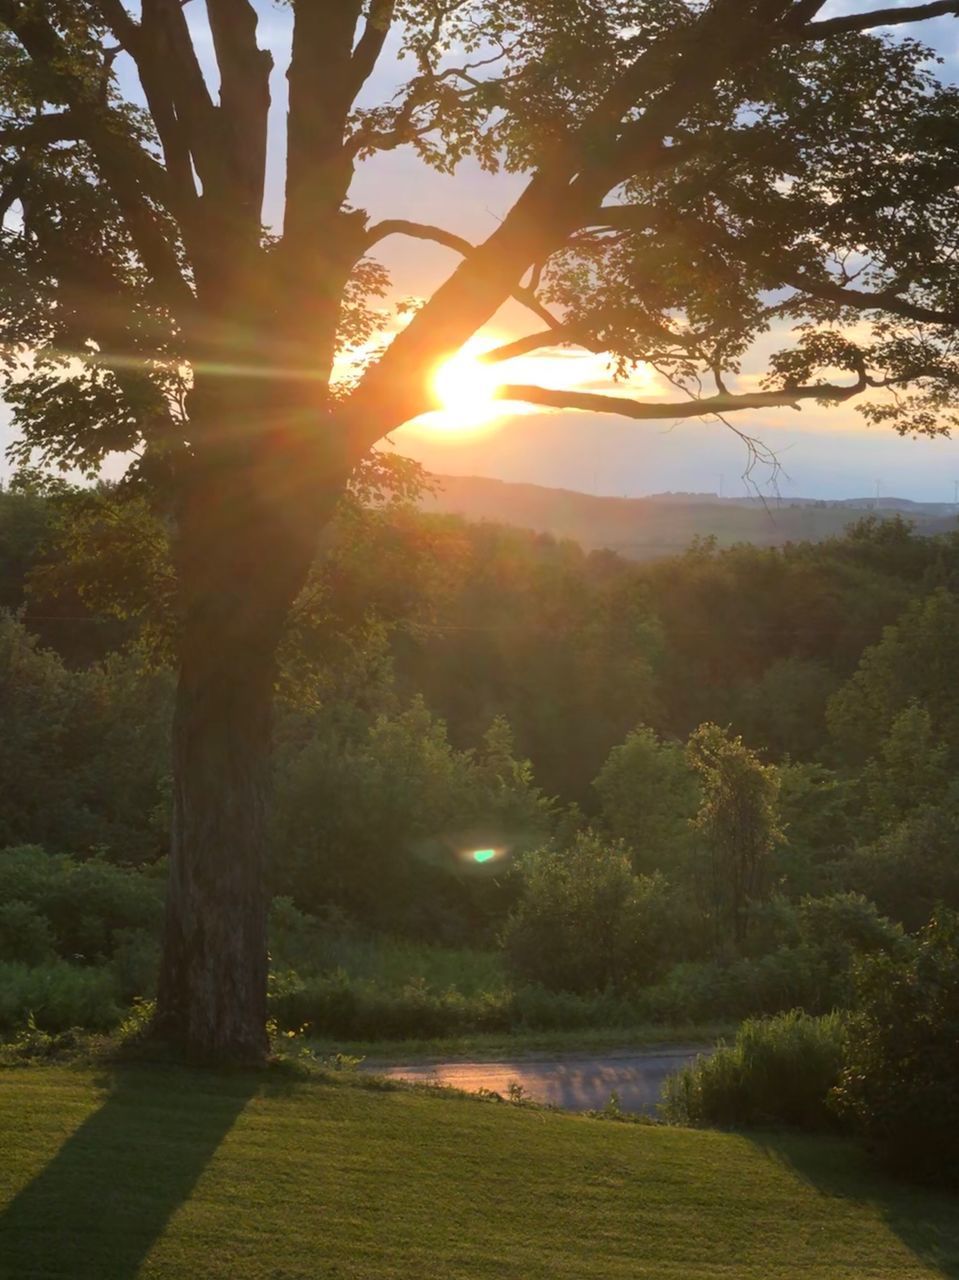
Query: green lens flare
483, 855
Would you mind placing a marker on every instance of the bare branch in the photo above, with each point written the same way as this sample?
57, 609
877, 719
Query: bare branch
425, 231
419, 231
563, 335
590, 402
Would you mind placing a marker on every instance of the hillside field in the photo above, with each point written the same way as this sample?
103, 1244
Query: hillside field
653, 527
159, 1173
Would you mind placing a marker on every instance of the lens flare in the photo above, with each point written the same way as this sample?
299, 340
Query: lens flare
483, 855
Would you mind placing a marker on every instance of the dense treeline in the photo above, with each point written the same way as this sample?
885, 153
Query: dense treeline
712, 784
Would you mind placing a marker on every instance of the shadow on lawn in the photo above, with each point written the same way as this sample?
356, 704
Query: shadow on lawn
97, 1208
925, 1220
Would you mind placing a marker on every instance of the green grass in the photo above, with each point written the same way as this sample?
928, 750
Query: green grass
161, 1173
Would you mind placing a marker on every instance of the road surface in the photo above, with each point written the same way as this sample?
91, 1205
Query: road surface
577, 1083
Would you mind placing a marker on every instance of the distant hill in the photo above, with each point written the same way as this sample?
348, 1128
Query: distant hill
664, 524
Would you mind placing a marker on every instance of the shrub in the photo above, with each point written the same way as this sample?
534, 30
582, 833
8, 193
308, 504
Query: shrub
586, 921
359, 1009
135, 964
88, 905
900, 1080
24, 934
779, 1071
58, 996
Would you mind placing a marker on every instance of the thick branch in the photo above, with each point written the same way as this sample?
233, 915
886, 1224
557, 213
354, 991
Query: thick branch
322, 81
877, 18
59, 126
590, 402
174, 70
863, 300
370, 44
244, 100
155, 81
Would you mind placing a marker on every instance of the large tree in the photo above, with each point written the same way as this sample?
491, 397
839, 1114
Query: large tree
694, 172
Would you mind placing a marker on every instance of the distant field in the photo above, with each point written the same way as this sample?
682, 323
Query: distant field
161, 1173
647, 528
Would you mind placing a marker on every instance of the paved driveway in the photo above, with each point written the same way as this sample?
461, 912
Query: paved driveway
576, 1083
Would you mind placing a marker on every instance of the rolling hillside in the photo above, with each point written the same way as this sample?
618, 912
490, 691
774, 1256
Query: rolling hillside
644, 528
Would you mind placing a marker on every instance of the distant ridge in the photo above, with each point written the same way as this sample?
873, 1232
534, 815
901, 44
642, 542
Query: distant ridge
665, 523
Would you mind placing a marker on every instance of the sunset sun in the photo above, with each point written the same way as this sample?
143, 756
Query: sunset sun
465, 389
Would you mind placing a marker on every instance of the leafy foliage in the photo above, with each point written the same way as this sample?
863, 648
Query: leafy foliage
586, 922
899, 1084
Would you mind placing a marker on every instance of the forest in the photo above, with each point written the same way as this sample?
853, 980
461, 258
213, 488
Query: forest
702, 789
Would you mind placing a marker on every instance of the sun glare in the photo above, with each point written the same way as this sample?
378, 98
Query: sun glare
465, 388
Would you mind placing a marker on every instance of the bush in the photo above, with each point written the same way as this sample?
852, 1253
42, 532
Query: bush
360, 1009
357, 1009
586, 922
135, 964
779, 1071
58, 996
88, 905
900, 1081
24, 934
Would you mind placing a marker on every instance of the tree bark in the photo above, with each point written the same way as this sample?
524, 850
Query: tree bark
244, 545
212, 993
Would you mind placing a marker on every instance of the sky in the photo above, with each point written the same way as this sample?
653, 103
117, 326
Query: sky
823, 452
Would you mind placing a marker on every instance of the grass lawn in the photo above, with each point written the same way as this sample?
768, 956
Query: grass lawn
158, 1172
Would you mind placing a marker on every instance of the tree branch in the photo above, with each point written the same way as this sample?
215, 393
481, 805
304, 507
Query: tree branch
876, 18
125, 167
425, 231
590, 402
174, 70
576, 174
418, 231
244, 100
370, 44
155, 82
863, 300
562, 335
59, 126
628, 217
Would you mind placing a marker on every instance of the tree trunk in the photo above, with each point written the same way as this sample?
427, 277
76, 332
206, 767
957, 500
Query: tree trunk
246, 538
212, 993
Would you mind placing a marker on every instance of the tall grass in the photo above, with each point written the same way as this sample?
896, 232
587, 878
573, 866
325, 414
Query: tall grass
778, 1071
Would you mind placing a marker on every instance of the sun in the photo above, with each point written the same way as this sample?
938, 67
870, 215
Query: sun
464, 387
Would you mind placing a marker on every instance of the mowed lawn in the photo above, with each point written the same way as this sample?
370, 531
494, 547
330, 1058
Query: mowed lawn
157, 1172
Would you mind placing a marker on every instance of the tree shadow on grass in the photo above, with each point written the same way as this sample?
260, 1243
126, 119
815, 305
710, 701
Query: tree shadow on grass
926, 1220
96, 1209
